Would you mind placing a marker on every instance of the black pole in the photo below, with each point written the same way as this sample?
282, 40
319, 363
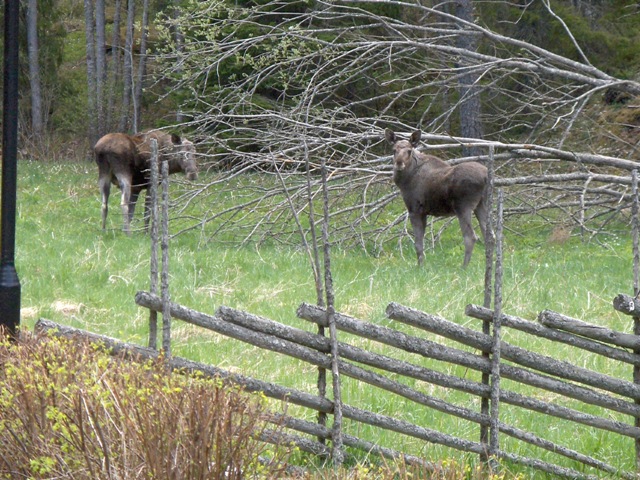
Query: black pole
9, 282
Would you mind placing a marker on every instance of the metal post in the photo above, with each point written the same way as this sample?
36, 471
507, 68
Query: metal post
9, 282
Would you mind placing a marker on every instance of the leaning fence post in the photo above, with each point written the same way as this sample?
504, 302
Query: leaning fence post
494, 442
166, 312
336, 430
489, 245
153, 220
635, 209
489, 240
317, 276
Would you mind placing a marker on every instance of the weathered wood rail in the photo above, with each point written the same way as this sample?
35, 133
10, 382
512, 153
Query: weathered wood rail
352, 362
561, 378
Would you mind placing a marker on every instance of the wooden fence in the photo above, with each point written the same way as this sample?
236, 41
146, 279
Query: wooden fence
526, 367
493, 358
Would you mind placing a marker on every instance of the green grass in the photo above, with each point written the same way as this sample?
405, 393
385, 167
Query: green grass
73, 273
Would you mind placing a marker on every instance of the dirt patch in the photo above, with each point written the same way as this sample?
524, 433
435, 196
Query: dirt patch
29, 313
66, 308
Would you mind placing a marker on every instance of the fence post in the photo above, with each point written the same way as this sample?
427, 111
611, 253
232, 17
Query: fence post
489, 245
317, 276
166, 313
489, 240
494, 442
153, 220
636, 288
336, 430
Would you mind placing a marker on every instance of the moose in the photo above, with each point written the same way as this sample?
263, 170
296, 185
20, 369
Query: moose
125, 161
430, 186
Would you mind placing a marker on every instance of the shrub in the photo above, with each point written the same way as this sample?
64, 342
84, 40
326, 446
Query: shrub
69, 410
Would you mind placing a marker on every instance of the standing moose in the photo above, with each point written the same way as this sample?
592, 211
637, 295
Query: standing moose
431, 186
125, 160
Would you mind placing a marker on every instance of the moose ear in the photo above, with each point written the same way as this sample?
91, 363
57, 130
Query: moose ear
415, 138
389, 135
175, 139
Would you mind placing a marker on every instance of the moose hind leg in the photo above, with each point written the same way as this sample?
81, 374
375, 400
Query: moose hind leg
418, 222
468, 235
125, 186
105, 189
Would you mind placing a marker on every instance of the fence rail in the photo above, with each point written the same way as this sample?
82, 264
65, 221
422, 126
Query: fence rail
314, 349
525, 367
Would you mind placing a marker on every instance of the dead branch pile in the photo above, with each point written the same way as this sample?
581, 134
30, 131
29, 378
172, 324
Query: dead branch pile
264, 195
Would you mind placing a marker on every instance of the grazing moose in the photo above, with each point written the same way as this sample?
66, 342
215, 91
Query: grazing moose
125, 160
430, 186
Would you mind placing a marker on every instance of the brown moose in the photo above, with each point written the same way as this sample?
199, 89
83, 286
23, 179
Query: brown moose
430, 186
125, 160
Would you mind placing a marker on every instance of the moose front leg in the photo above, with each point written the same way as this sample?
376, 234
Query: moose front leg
133, 199
418, 222
105, 189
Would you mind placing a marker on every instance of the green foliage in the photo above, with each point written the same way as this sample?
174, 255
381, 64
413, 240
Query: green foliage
216, 22
69, 115
607, 32
52, 34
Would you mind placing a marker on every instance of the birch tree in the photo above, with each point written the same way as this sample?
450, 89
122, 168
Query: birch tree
116, 65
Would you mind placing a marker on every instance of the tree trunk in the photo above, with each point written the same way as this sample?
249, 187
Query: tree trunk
115, 65
128, 68
142, 66
179, 39
101, 66
91, 71
37, 120
469, 104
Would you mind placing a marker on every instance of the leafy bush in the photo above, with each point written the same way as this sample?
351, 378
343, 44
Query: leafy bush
68, 410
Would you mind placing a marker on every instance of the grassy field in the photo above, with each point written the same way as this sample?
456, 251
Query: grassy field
73, 273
